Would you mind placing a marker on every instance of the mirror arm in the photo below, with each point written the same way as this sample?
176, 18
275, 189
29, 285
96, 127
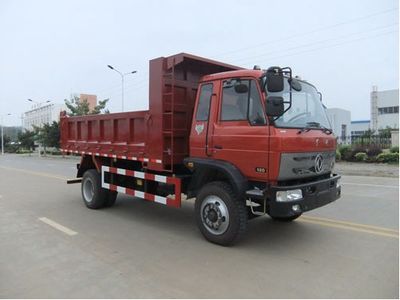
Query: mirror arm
262, 82
290, 88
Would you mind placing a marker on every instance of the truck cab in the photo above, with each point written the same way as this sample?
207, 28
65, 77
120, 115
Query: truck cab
272, 128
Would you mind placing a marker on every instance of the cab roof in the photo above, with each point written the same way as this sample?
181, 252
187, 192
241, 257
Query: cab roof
231, 74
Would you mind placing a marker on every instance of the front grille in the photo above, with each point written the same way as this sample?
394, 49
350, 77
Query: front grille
294, 166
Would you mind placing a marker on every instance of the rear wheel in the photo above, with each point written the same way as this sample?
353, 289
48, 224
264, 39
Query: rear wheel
111, 197
93, 195
220, 215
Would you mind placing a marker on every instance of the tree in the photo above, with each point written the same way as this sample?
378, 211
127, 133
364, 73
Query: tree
52, 134
48, 135
80, 108
385, 133
27, 139
6, 141
12, 132
101, 107
368, 133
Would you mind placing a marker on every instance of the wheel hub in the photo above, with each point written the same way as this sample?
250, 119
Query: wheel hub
88, 190
212, 216
215, 216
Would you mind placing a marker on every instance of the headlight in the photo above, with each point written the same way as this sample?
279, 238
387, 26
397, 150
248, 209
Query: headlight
338, 183
287, 196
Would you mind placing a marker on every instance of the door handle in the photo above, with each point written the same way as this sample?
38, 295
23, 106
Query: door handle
218, 147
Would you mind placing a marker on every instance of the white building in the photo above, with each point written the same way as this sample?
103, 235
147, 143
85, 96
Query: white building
384, 109
340, 120
359, 128
42, 114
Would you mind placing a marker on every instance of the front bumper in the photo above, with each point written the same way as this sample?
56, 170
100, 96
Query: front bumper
315, 194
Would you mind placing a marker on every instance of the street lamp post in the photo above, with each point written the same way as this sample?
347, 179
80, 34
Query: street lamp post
2, 133
39, 103
122, 81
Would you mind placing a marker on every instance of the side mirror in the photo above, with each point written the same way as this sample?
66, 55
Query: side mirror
274, 80
241, 88
274, 106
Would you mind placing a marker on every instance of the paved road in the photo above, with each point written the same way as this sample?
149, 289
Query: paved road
140, 249
367, 169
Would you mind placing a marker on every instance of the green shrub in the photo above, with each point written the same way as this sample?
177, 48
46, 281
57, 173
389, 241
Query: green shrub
345, 151
351, 156
11, 148
23, 151
374, 150
361, 156
371, 159
388, 157
55, 152
338, 155
394, 149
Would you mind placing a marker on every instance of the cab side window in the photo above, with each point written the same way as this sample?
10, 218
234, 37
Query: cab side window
242, 105
203, 108
234, 104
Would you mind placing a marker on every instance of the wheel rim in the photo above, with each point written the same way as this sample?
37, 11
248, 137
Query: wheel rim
88, 190
214, 215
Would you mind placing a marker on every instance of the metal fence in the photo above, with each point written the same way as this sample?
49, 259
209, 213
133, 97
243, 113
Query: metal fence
377, 140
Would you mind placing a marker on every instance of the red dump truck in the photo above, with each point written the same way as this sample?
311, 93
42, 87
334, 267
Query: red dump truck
243, 143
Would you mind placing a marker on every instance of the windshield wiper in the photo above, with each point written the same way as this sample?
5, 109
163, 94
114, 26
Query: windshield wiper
315, 125
326, 130
309, 126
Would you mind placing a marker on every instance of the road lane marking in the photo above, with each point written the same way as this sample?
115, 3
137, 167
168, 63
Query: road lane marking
373, 185
350, 228
35, 173
375, 230
58, 226
351, 224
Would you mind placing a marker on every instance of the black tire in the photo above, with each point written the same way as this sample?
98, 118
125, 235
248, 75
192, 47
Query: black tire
215, 204
93, 195
286, 219
110, 198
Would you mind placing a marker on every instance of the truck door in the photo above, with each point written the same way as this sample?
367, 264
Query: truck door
200, 135
240, 131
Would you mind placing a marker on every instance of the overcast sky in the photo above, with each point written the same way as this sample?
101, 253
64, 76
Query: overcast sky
51, 49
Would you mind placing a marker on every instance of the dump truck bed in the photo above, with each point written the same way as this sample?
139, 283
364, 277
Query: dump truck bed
158, 137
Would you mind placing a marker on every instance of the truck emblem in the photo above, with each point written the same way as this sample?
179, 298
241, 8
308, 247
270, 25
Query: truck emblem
319, 163
199, 128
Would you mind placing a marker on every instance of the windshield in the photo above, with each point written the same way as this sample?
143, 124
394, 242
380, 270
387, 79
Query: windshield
306, 107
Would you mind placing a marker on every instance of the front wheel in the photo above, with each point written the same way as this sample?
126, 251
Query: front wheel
220, 215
